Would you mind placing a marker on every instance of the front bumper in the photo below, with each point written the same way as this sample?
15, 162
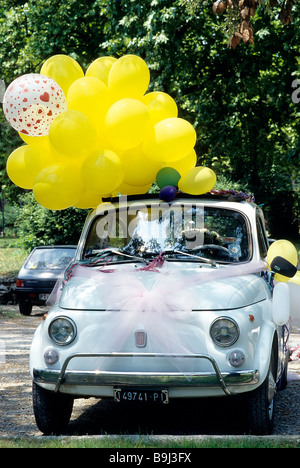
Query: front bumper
215, 379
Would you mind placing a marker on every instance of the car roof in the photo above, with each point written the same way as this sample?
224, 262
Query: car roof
228, 199
55, 247
217, 195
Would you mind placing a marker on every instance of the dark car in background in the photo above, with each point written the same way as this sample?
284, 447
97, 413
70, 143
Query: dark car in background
38, 275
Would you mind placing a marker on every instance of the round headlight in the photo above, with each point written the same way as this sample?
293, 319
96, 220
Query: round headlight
62, 331
224, 331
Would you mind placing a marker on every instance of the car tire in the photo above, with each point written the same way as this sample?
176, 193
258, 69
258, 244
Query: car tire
261, 406
52, 411
283, 381
25, 308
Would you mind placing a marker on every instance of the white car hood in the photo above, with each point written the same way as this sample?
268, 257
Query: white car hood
179, 285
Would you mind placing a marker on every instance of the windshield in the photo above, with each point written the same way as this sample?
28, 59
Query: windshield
50, 259
187, 232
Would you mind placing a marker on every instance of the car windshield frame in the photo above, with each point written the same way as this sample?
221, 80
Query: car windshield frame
132, 219
49, 259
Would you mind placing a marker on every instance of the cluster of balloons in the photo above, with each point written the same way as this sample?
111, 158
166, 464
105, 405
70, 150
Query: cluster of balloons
98, 134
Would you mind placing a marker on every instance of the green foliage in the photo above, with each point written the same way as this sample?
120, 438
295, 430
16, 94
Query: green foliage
39, 226
238, 100
8, 217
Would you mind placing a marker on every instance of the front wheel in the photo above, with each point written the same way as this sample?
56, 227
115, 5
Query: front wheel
260, 407
52, 411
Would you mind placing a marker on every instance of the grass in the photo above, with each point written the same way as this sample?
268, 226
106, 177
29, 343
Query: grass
11, 257
137, 442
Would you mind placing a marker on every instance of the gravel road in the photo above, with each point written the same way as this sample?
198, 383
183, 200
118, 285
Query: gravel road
94, 417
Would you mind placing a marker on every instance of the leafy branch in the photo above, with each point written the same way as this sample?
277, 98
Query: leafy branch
239, 13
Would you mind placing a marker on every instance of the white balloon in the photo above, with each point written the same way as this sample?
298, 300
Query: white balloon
31, 102
281, 303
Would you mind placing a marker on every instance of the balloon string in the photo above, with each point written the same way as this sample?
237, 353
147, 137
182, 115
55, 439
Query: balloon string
69, 273
156, 263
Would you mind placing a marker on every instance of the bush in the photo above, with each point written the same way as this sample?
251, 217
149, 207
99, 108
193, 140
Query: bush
37, 225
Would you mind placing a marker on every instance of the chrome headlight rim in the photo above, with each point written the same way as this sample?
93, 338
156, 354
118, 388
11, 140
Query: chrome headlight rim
233, 340
72, 335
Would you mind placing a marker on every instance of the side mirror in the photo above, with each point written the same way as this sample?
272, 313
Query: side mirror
282, 258
281, 304
283, 267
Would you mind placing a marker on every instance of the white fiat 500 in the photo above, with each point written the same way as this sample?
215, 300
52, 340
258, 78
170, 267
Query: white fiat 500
165, 300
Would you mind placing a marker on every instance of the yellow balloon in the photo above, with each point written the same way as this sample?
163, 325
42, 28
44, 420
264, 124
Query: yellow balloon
102, 172
35, 140
90, 96
73, 134
100, 68
197, 181
88, 199
25, 163
169, 140
58, 187
126, 189
185, 164
160, 105
126, 123
138, 169
295, 279
129, 77
63, 69
282, 248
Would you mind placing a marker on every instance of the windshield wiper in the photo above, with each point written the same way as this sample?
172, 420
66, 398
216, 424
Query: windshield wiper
101, 254
203, 259
179, 252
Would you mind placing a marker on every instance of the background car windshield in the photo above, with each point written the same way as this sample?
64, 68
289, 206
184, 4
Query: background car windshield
214, 233
50, 259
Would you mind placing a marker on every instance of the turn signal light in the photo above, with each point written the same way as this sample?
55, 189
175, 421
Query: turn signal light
20, 283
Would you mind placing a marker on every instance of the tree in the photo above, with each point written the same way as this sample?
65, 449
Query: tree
39, 226
238, 14
239, 100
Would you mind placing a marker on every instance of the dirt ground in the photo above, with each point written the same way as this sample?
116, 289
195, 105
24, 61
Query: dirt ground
94, 416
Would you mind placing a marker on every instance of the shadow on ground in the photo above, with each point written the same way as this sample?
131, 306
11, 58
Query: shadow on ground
221, 416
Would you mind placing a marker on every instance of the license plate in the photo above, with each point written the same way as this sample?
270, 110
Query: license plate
44, 297
141, 395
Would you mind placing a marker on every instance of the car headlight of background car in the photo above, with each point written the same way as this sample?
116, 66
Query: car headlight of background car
62, 330
224, 331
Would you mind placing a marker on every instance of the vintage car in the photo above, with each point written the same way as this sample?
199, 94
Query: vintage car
165, 300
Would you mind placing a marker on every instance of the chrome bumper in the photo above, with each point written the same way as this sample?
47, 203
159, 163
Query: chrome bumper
144, 379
